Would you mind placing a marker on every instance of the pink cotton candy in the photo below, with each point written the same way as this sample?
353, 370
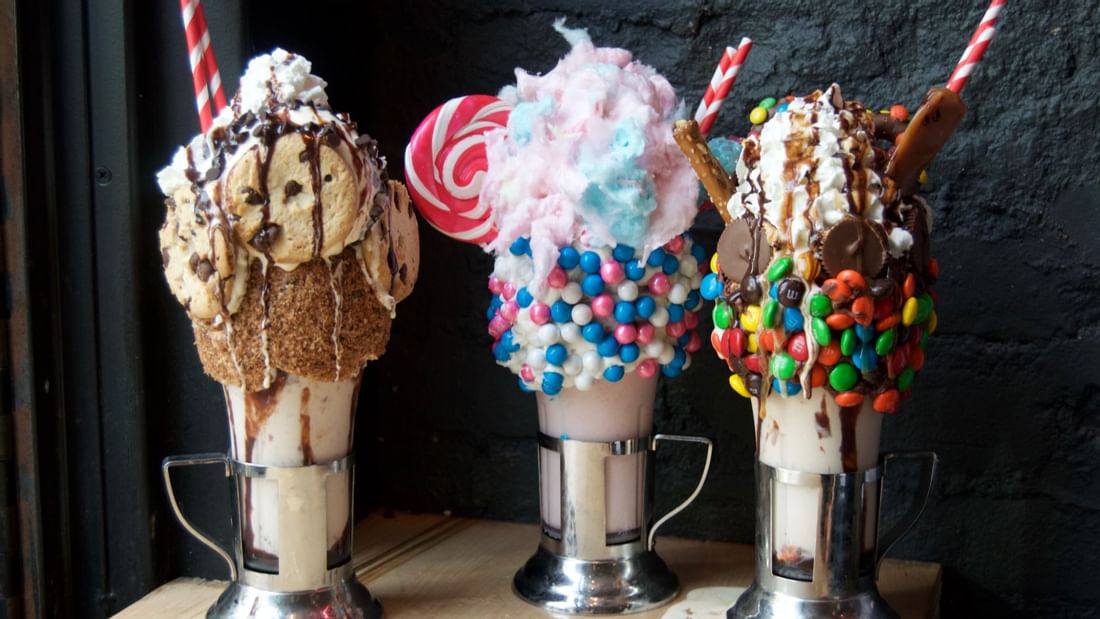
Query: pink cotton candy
553, 173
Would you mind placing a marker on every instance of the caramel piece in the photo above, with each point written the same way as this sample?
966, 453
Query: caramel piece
931, 127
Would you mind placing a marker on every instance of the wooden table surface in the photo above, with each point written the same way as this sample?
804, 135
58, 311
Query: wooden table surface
437, 566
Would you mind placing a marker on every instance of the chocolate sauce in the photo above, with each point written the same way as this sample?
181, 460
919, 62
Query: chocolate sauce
824, 426
303, 424
848, 449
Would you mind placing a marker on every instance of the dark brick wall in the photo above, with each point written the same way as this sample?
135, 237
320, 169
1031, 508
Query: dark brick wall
1010, 394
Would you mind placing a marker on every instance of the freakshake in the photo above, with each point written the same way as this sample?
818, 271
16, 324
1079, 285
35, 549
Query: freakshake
823, 284
584, 200
289, 248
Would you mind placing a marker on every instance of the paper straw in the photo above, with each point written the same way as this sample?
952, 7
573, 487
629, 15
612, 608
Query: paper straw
205, 77
979, 42
720, 83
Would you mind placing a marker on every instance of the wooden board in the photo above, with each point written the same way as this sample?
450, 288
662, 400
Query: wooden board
435, 566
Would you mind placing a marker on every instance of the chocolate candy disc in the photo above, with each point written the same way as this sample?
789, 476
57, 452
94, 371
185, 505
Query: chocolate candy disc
854, 244
916, 222
931, 127
735, 250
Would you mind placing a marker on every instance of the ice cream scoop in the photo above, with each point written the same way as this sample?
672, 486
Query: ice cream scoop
283, 237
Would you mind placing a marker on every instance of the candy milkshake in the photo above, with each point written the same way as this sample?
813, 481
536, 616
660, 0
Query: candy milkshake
289, 248
584, 200
822, 281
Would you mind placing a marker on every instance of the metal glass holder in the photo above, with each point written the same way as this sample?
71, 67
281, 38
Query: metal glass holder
581, 573
843, 575
305, 585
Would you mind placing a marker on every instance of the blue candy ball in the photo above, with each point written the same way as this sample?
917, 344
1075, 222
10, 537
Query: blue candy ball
624, 311
693, 300
608, 347
675, 312
561, 311
645, 306
635, 270
520, 246
556, 354
656, 258
592, 284
524, 298
679, 357
684, 339
552, 382
629, 353
523, 385
670, 264
614, 373
622, 253
793, 320
568, 258
699, 254
671, 371
590, 262
592, 332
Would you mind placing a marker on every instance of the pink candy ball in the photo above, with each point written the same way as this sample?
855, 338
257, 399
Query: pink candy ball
495, 285
557, 278
676, 329
612, 272
603, 305
695, 343
691, 319
676, 245
645, 334
508, 290
509, 310
625, 334
498, 325
659, 284
526, 373
647, 368
540, 313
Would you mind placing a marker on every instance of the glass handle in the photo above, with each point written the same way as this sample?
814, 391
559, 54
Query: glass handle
928, 461
699, 487
197, 459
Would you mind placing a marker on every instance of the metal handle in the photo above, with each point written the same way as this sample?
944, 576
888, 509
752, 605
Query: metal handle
192, 460
698, 488
929, 461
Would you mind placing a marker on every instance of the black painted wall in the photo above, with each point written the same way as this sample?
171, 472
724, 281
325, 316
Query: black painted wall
1010, 395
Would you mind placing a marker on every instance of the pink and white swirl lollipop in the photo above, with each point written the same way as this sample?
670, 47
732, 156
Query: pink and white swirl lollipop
445, 163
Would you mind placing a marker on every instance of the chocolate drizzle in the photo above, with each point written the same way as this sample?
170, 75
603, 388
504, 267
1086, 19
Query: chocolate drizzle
303, 424
849, 457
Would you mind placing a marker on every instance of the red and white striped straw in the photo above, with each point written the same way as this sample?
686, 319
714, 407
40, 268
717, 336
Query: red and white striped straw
724, 77
205, 77
979, 42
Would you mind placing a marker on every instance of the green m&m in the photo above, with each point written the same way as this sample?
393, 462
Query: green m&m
843, 377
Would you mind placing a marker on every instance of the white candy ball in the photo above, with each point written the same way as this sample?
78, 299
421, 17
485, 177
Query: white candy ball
583, 382
628, 291
654, 349
659, 317
687, 362
582, 314
536, 358
549, 334
592, 361
688, 265
696, 281
571, 293
573, 365
666, 356
678, 293
570, 332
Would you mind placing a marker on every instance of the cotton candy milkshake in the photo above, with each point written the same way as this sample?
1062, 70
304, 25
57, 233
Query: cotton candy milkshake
584, 200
